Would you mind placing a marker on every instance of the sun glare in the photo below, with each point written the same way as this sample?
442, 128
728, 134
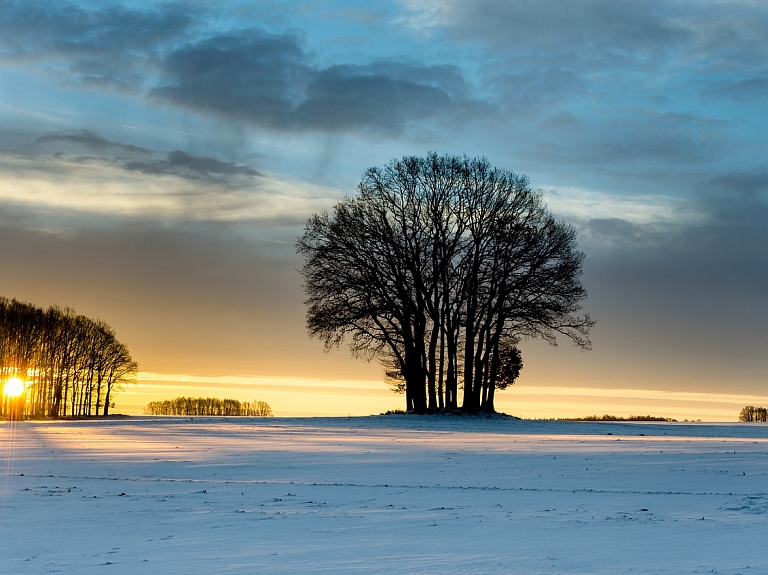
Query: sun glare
14, 387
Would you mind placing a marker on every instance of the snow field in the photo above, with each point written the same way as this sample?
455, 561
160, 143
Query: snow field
395, 494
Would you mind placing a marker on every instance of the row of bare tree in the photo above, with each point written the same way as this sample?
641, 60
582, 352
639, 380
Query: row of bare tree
751, 413
438, 267
72, 365
208, 406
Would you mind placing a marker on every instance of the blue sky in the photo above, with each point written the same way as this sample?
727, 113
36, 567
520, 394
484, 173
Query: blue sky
158, 162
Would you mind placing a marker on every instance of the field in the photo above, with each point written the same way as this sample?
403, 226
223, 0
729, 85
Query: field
391, 494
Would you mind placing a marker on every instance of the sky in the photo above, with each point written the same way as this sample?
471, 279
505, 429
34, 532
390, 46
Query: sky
159, 160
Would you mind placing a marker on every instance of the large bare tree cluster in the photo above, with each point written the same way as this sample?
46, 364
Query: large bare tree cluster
72, 365
438, 267
208, 406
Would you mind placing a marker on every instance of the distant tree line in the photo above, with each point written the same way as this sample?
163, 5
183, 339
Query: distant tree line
438, 267
607, 417
72, 365
208, 406
752, 413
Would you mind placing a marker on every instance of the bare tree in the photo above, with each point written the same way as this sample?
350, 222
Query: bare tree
208, 406
438, 267
750, 413
71, 363
260, 409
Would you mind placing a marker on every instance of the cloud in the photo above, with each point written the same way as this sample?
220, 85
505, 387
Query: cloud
611, 222
736, 193
265, 79
670, 137
268, 80
179, 163
632, 150
82, 172
694, 292
602, 31
560, 49
85, 141
674, 282
748, 89
387, 96
254, 76
84, 145
108, 47
583, 204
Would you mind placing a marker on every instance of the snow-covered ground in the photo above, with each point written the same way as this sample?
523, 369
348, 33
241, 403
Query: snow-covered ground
394, 494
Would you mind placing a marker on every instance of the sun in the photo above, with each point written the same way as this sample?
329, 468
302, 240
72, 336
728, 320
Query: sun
14, 387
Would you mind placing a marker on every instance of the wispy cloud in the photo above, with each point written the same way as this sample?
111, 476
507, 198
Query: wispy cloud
97, 176
581, 204
606, 220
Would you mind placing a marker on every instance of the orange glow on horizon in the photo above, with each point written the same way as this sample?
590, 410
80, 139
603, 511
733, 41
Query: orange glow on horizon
304, 397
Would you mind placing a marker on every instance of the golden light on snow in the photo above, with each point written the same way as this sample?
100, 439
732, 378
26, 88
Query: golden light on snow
14, 387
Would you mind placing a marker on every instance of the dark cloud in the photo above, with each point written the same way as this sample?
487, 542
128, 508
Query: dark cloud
727, 37
254, 76
269, 80
753, 89
562, 122
560, 34
618, 232
611, 33
386, 96
693, 302
689, 294
86, 145
106, 47
522, 89
555, 50
738, 186
666, 137
178, 163
632, 143
250, 75
79, 141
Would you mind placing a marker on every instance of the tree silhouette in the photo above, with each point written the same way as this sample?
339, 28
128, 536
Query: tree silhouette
750, 413
438, 267
72, 365
208, 406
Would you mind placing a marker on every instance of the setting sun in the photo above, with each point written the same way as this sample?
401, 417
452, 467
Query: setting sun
14, 387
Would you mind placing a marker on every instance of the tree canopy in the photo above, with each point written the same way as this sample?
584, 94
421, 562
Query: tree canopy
438, 267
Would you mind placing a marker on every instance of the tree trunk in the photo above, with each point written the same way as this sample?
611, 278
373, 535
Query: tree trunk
469, 356
451, 380
414, 379
431, 372
441, 403
106, 399
56, 403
